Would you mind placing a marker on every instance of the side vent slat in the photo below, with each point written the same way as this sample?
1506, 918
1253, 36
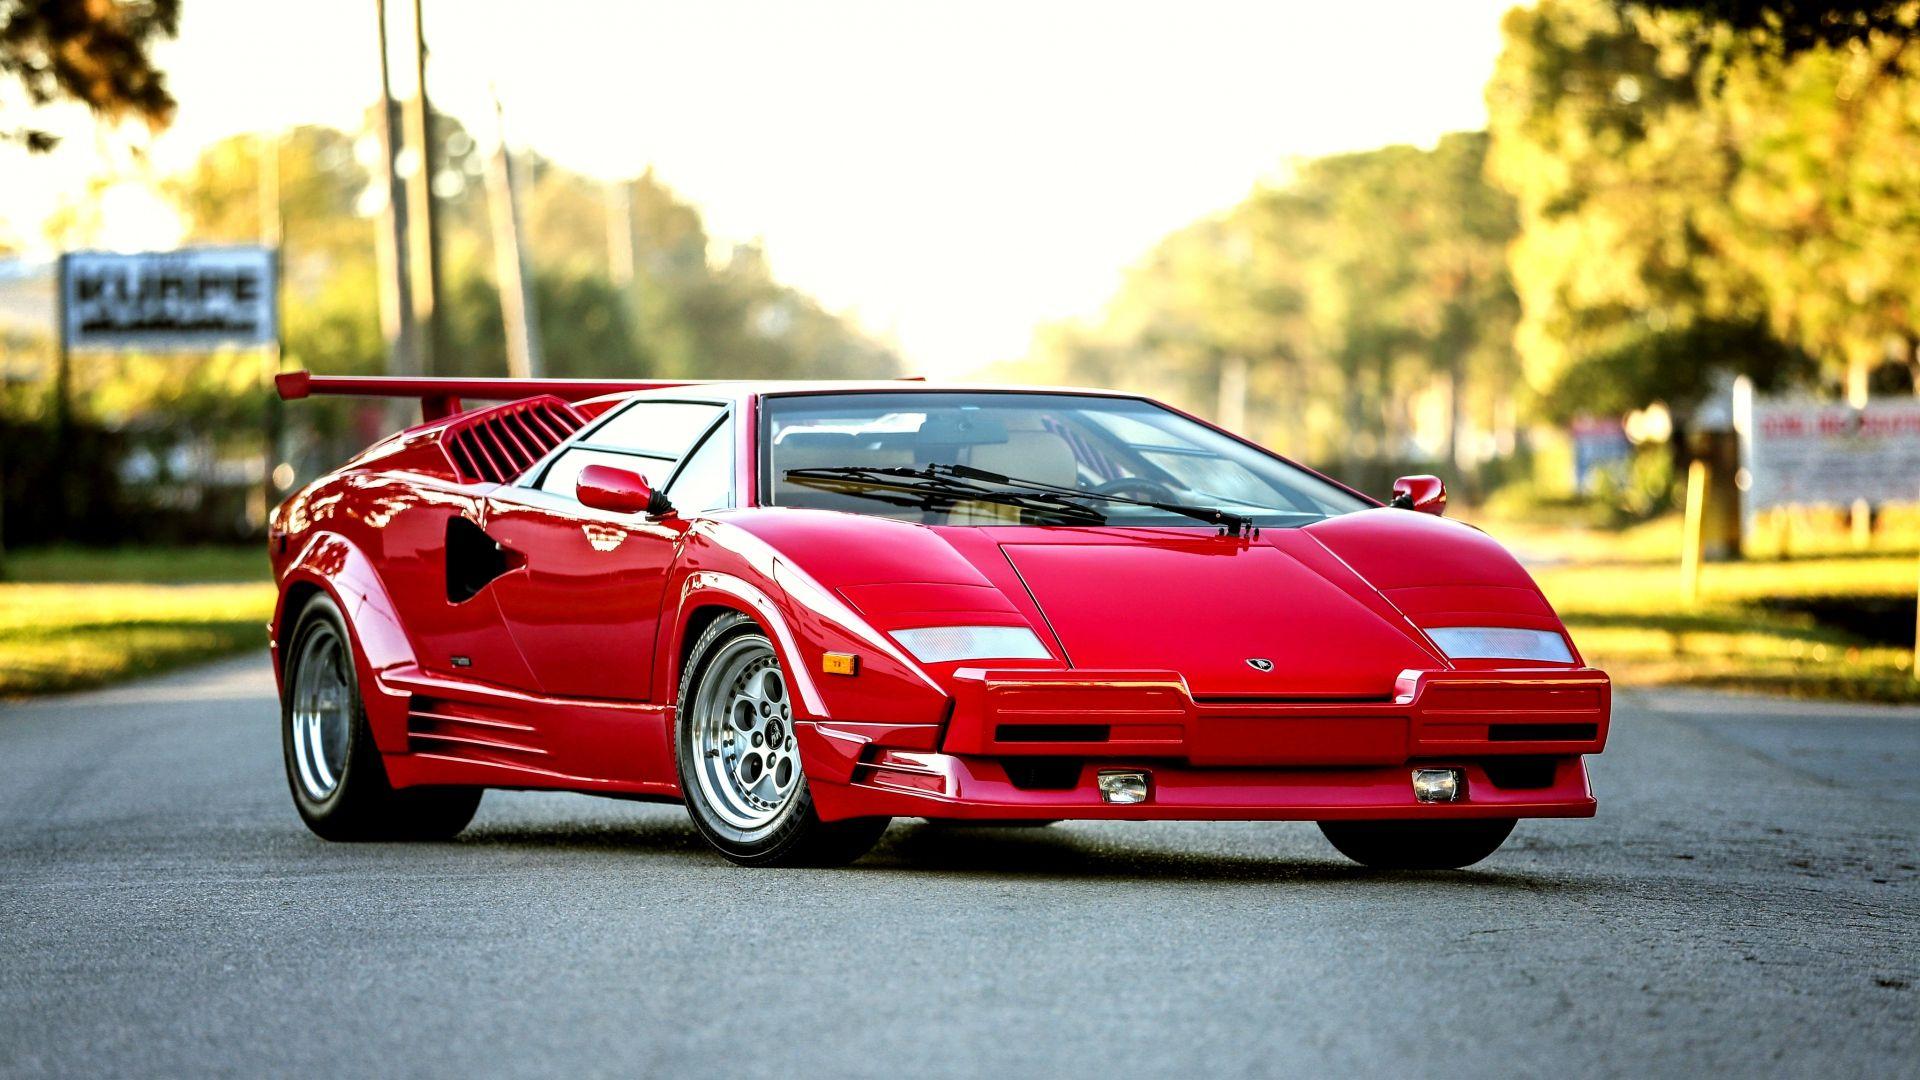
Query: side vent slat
462, 458
495, 445
509, 437
527, 433
544, 427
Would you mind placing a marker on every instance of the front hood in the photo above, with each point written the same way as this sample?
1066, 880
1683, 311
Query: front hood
1269, 618
1331, 606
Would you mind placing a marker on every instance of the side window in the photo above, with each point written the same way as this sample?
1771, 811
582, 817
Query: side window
647, 437
660, 428
706, 483
564, 473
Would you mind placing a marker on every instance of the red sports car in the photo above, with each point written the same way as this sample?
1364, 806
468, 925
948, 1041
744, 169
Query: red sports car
803, 609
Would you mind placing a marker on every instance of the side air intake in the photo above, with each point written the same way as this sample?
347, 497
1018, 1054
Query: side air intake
497, 444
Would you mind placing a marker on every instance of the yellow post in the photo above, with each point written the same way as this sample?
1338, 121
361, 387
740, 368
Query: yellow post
1693, 537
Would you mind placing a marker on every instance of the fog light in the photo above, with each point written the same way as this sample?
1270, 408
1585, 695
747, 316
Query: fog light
1125, 788
1439, 785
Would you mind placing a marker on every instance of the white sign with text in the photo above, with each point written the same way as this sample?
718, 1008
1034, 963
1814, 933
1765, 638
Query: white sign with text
1802, 452
193, 299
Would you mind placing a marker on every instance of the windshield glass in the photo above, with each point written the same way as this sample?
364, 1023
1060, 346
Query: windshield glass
1098, 445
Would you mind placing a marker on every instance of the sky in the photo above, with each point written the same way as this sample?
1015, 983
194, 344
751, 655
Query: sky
951, 175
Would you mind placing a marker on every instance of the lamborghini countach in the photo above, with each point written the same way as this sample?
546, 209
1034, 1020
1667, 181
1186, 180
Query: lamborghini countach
804, 609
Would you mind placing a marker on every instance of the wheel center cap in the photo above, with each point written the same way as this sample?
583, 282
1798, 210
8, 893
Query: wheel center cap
775, 734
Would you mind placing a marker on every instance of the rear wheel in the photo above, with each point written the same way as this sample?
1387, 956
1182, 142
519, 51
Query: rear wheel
1418, 845
334, 770
739, 763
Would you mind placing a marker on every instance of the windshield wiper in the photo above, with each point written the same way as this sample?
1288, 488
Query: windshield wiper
1229, 523
966, 480
928, 490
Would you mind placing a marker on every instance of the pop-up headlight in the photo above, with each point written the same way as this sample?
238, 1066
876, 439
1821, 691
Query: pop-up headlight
1501, 643
943, 644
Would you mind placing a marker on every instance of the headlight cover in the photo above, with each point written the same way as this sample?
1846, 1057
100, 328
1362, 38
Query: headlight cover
1501, 643
942, 644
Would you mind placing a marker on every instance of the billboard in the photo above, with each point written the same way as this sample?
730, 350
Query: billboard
190, 300
1801, 452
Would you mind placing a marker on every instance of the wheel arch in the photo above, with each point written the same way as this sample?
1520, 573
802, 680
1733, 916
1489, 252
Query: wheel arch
706, 596
333, 566
694, 624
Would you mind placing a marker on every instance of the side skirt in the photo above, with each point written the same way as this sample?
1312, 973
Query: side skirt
463, 733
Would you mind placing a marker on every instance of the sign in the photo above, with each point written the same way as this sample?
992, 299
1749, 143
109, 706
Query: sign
1798, 452
1600, 445
194, 299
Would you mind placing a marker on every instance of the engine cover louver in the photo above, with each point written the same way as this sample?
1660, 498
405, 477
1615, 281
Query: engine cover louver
497, 444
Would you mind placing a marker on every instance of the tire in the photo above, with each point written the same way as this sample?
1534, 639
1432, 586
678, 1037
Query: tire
1418, 845
334, 771
738, 762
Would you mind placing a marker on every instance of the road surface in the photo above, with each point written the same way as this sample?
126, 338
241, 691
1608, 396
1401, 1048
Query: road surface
1747, 903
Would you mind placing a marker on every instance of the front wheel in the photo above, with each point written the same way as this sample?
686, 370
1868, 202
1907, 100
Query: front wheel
1418, 845
739, 763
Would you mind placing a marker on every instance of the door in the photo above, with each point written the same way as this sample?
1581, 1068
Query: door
417, 531
584, 603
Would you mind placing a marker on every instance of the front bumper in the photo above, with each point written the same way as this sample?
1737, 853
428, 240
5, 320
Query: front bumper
1030, 744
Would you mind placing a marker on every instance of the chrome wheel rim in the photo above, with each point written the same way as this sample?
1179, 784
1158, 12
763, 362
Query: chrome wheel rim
742, 736
321, 719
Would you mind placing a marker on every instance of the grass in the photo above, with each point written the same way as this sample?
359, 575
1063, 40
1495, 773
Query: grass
73, 618
1622, 596
143, 565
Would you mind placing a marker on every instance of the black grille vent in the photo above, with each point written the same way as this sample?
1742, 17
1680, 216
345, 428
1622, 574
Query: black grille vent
495, 445
1542, 732
1052, 733
1043, 773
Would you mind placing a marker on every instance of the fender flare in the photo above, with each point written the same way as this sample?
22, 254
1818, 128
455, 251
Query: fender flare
710, 588
337, 568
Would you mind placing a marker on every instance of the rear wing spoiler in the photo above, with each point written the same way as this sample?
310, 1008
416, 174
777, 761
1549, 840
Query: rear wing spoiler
440, 398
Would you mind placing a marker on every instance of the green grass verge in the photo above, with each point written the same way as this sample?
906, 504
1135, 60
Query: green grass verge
143, 565
74, 618
1622, 596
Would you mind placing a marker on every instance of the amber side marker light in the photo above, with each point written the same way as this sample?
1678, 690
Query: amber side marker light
840, 663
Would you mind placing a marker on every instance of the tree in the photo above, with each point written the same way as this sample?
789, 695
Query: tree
1791, 28
1699, 195
1604, 129
92, 51
679, 316
1362, 287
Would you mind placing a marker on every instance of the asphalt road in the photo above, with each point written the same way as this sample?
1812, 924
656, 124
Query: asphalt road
1746, 903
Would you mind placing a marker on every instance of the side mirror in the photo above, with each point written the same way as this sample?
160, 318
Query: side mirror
1423, 493
619, 491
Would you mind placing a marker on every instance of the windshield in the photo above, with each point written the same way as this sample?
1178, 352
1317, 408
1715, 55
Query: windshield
1102, 446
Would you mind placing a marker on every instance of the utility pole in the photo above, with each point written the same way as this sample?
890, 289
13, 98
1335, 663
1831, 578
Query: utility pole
396, 290
271, 237
1231, 412
619, 203
517, 308
62, 406
422, 222
1859, 388
6, 385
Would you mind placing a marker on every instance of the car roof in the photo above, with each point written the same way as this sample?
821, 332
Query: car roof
741, 390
